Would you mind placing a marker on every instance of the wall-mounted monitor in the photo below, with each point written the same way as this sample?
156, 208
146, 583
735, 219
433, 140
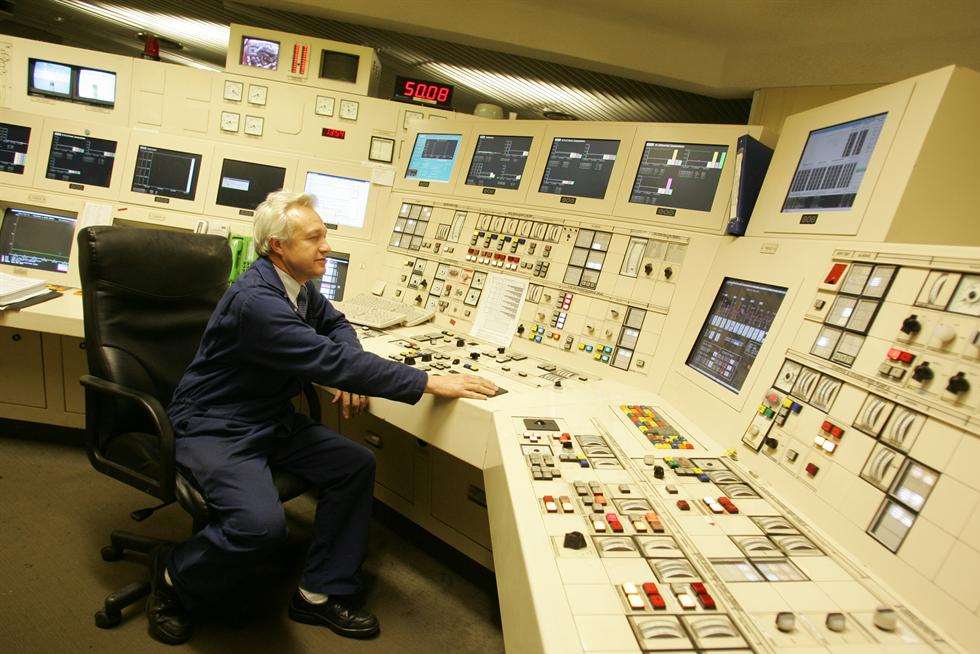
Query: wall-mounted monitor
341, 66
339, 200
678, 175
96, 86
832, 166
38, 240
259, 53
14, 141
433, 157
334, 280
579, 167
71, 82
499, 161
734, 330
49, 78
244, 185
166, 173
83, 160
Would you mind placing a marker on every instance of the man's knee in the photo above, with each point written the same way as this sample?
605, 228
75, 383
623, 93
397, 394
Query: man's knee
256, 527
363, 460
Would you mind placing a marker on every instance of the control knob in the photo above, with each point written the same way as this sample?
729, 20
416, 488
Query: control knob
945, 334
923, 373
911, 325
475, 356
501, 350
426, 357
557, 383
409, 361
958, 384
460, 342
520, 329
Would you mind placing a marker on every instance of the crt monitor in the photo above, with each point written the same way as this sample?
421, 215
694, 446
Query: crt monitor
260, 53
579, 167
832, 165
81, 159
96, 86
14, 140
244, 184
339, 200
341, 66
433, 157
49, 78
36, 239
498, 161
734, 329
169, 173
334, 279
678, 175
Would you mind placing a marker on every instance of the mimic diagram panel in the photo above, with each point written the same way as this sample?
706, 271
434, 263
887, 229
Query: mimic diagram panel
681, 175
499, 161
579, 167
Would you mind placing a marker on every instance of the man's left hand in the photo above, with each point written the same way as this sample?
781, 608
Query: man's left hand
351, 404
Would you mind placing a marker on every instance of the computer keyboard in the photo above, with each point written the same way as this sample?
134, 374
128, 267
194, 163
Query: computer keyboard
378, 312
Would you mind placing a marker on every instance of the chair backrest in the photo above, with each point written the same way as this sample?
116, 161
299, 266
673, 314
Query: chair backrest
147, 296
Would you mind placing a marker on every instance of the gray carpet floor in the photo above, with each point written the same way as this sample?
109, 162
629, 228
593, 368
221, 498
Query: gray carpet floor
56, 512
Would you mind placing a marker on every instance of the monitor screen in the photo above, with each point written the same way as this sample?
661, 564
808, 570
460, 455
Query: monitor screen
340, 66
679, 175
168, 173
832, 165
14, 140
81, 159
97, 86
433, 157
733, 331
334, 279
339, 200
244, 184
579, 167
35, 239
260, 53
49, 78
498, 161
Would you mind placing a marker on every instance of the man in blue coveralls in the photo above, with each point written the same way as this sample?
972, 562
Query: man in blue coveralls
272, 332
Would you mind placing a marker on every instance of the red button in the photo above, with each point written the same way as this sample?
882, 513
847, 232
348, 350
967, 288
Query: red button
837, 431
835, 273
906, 357
683, 505
657, 602
812, 469
650, 588
894, 354
707, 601
826, 426
698, 588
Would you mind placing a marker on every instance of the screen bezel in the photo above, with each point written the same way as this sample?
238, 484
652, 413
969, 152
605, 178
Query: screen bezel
73, 94
547, 162
452, 169
250, 37
464, 179
636, 175
174, 143
62, 206
112, 170
221, 166
341, 177
359, 172
499, 128
36, 125
118, 134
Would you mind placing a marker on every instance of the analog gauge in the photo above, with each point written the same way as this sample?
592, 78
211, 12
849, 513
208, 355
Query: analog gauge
254, 125
324, 105
966, 299
257, 94
233, 91
348, 109
229, 121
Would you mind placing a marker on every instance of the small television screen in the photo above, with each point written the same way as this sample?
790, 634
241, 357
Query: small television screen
169, 173
260, 53
49, 78
14, 140
97, 86
340, 66
36, 239
433, 157
679, 175
498, 161
81, 159
244, 185
579, 167
339, 200
334, 279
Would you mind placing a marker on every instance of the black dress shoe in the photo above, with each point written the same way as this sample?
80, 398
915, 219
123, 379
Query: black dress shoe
336, 615
169, 621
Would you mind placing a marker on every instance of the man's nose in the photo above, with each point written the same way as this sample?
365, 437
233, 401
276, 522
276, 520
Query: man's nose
325, 248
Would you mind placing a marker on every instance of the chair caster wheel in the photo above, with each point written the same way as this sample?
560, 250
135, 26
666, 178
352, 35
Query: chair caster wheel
110, 553
105, 620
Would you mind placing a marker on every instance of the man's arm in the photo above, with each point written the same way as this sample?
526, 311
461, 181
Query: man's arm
328, 321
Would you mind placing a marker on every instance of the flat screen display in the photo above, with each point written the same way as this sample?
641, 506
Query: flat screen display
14, 140
679, 175
245, 185
832, 165
334, 279
35, 239
168, 173
433, 157
49, 78
579, 167
98, 86
339, 200
734, 330
81, 159
260, 53
498, 161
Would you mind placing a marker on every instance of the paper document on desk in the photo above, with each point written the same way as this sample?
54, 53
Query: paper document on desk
500, 309
95, 214
14, 288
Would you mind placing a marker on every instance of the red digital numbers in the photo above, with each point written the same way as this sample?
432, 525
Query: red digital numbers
426, 91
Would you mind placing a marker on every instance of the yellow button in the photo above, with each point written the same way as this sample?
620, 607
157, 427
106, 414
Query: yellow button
581, 346
598, 355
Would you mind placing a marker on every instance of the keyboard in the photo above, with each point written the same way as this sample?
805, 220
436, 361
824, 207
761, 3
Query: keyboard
378, 312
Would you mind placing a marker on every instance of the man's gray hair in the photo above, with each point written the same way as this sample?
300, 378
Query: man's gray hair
272, 218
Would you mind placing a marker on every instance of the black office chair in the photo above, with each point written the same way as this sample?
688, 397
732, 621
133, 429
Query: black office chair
147, 297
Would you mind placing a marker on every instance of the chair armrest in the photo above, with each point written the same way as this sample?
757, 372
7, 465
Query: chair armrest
162, 488
313, 401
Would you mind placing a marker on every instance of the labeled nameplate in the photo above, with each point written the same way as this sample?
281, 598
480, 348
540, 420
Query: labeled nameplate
245, 212
161, 200
664, 211
330, 226
77, 187
567, 200
808, 219
423, 184
489, 191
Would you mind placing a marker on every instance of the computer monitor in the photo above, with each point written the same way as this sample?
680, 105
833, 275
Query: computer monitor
339, 200
498, 161
81, 159
679, 175
95, 86
834, 160
734, 330
169, 173
260, 53
579, 167
340, 66
433, 157
334, 279
49, 78
36, 239
14, 140
244, 185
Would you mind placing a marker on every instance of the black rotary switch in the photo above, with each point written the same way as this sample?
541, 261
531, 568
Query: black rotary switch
923, 373
958, 384
409, 361
475, 356
426, 357
460, 342
771, 442
501, 350
911, 325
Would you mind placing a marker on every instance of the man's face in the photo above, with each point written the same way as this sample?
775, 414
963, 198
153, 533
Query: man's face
303, 255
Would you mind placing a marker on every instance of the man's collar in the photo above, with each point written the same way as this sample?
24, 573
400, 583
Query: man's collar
278, 279
290, 285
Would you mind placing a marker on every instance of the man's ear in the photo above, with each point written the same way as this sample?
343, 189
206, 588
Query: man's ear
275, 245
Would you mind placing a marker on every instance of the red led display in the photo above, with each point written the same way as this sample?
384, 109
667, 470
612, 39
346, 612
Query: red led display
329, 132
421, 91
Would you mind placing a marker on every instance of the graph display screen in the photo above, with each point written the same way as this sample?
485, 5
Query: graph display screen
339, 200
81, 159
334, 279
734, 330
833, 164
679, 175
169, 173
14, 140
433, 157
245, 185
498, 161
34, 239
579, 167
260, 53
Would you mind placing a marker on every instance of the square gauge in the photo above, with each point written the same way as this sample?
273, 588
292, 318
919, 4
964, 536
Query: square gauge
938, 289
349, 109
233, 91
254, 125
324, 105
381, 149
230, 121
857, 278
787, 376
966, 298
257, 94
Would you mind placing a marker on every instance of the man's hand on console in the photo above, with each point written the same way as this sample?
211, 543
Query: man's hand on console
350, 403
453, 386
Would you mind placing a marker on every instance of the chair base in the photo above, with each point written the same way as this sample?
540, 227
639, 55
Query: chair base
121, 542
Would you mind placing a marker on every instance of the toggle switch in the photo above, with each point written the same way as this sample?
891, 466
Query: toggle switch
957, 384
911, 326
923, 373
